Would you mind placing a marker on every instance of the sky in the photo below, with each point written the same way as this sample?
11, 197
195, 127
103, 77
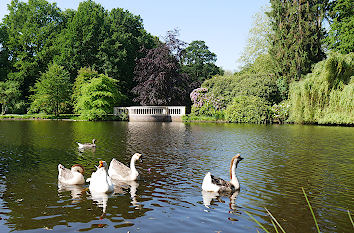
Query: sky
222, 24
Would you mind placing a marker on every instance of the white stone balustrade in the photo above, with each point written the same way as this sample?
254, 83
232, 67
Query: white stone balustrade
152, 113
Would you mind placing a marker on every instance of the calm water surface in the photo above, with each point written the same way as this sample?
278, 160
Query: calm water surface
279, 160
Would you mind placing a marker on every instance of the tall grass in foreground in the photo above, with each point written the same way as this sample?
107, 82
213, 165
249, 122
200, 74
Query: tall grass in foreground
276, 224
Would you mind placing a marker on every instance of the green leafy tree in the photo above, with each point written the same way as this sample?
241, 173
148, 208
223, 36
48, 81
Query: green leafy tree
258, 43
9, 95
98, 97
52, 91
296, 38
199, 62
325, 96
341, 34
31, 28
5, 65
85, 75
107, 41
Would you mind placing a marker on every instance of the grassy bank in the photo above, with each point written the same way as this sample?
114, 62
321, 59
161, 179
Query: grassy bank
72, 117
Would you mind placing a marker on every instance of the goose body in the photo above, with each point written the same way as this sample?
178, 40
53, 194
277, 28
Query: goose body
100, 182
214, 184
71, 176
87, 145
118, 171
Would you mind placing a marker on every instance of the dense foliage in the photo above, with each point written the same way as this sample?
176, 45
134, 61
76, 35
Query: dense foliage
199, 62
160, 80
97, 98
37, 33
341, 34
52, 91
296, 38
206, 104
9, 96
327, 94
228, 87
248, 109
30, 38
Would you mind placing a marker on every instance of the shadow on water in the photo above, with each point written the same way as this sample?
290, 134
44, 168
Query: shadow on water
279, 160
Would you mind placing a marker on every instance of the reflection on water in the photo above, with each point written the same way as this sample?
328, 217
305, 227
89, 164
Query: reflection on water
279, 160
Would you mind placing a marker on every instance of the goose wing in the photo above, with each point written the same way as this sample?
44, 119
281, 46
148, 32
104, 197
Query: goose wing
65, 174
225, 186
119, 168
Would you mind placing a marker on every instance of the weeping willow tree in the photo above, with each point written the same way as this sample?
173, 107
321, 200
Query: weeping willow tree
325, 96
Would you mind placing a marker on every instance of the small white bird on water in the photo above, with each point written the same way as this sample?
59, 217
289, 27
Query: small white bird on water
118, 171
71, 176
87, 145
213, 184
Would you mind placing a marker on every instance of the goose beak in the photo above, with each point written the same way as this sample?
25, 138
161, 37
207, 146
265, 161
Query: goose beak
240, 158
101, 164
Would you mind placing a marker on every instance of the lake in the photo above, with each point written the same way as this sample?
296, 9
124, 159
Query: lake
279, 160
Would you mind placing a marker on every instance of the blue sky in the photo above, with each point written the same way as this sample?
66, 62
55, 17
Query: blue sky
222, 24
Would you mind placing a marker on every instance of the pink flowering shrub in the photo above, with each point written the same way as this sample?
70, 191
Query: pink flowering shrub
206, 104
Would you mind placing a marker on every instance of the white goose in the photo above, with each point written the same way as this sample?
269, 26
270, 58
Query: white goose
213, 184
71, 176
87, 145
100, 182
119, 171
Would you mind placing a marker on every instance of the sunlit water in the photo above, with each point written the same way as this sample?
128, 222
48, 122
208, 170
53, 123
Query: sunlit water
279, 161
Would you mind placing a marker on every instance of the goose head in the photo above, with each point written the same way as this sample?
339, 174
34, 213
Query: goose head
136, 157
93, 141
78, 168
103, 164
236, 159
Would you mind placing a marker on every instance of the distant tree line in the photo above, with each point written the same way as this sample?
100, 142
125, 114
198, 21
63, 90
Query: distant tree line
91, 59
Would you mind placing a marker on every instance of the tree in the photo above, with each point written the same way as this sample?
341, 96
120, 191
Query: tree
5, 64
107, 41
31, 29
52, 91
341, 34
9, 95
159, 78
258, 43
98, 97
296, 38
85, 75
199, 62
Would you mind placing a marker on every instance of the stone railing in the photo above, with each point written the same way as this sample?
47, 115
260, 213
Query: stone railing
152, 113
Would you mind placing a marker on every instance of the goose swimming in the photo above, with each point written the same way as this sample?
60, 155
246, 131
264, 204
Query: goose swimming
213, 184
100, 182
87, 145
71, 176
119, 171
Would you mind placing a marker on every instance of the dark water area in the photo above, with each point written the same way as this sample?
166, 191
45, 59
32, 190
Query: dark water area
278, 161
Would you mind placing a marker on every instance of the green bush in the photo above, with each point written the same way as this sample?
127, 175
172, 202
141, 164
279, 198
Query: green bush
228, 87
248, 109
325, 96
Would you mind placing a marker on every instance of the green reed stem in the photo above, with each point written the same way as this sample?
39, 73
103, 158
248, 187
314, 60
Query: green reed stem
270, 214
275, 227
257, 222
313, 215
350, 217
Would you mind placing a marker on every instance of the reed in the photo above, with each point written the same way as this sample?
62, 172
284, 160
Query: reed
276, 224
